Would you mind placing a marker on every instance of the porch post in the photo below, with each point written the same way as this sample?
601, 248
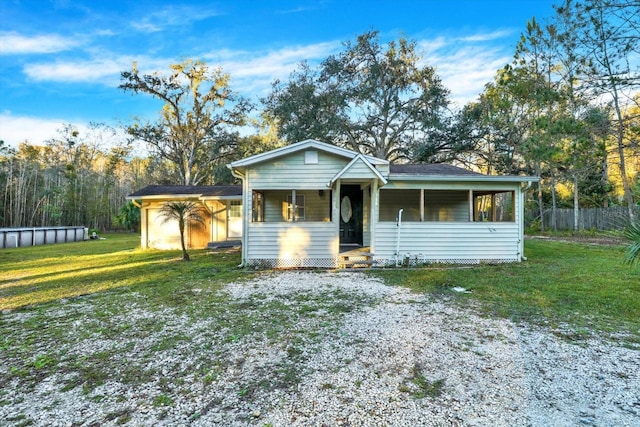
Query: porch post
335, 214
373, 218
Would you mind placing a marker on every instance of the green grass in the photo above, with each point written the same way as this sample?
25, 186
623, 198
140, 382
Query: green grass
585, 287
100, 311
48, 273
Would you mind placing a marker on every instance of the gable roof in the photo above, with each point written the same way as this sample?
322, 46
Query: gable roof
303, 145
188, 190
359, 160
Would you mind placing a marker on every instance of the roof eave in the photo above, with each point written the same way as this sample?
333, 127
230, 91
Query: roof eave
463, 178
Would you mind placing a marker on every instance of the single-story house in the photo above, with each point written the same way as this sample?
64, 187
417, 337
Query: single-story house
313, 204
223, 212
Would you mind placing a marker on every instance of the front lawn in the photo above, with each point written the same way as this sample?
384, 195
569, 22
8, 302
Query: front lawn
584, 287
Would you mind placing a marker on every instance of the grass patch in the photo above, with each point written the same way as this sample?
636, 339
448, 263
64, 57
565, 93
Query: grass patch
586, 287
420, 387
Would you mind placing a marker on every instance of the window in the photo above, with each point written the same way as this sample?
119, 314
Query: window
446, 205
493, 206
391, 201
235, 209
310, 157
296, 214
257, 209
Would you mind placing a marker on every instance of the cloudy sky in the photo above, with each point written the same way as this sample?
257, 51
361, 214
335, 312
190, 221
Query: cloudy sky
60, 60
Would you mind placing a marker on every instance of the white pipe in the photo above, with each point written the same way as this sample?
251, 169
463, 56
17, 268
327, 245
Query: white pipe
398, 237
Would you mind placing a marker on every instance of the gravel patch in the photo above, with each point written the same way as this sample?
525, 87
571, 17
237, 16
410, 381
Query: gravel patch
300, 348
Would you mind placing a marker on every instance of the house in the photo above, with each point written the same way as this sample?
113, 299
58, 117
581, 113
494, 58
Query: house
312, 204
223, 222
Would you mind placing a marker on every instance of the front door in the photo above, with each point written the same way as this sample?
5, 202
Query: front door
350, 215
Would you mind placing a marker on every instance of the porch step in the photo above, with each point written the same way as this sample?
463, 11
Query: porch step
356, 260
227, 244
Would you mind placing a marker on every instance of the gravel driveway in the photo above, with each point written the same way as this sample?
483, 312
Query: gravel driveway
386, 358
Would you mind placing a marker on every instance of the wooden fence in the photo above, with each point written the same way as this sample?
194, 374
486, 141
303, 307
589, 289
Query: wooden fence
615, 218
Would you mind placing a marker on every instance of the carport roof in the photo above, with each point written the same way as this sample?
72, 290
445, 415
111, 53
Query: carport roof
188, 190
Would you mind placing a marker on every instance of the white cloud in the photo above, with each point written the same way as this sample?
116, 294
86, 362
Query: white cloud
172, 16
35, 130
484, 37
12, 43
252, 73
466, 71
465, 64
100, 70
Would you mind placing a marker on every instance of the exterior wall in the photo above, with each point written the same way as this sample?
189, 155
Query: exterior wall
449, 242
292, 244
452, 241
160, 234
357, 171
291, 172
157, 234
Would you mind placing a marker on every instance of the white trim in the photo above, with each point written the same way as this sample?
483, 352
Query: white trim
351, 163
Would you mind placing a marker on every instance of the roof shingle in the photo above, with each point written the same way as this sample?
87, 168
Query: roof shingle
196, 190
430, 169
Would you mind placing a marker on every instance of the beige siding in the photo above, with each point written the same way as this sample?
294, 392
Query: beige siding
449, 241
291, 172
160, 234
358, 171
305, 244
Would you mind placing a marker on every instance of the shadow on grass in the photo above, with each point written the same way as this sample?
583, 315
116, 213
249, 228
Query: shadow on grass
43, 278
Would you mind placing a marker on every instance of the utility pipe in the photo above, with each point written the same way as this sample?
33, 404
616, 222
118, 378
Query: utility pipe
399, 224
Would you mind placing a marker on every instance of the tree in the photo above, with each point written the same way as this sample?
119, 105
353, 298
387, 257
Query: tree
373, 99
183, 213
608, 37
633, 251
129, 216
195, 128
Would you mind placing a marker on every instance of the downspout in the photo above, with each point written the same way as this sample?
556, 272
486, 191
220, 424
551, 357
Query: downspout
242, 177
529, 183
399, 224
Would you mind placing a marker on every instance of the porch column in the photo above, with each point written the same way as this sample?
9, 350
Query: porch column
335, 213
373, 217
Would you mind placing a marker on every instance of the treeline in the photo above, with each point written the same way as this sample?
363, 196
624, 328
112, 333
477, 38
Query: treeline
567, 109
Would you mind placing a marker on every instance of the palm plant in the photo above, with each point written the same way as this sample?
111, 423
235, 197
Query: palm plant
184, 213
633, 250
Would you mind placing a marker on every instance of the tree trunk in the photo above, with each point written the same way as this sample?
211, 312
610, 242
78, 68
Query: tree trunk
576, 207
540, 202
185, 255
554, 206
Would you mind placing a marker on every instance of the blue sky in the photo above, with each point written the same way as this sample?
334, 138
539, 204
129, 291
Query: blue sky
60, 61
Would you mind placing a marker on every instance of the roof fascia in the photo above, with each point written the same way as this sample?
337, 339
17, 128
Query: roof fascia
463, 178
359, 157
